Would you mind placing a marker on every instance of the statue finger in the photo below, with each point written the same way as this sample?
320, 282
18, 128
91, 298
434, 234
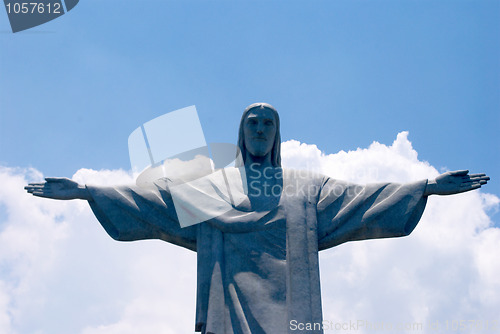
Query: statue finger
475, 186
35, 185
55, 179
469, 186
43, 191
39, 188
39, 194
460, 172
481, 178
32, 188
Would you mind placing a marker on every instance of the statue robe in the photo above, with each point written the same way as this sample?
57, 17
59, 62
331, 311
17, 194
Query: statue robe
258, 270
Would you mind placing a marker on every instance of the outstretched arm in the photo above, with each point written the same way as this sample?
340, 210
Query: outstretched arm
59, 188
455, 182
127, 213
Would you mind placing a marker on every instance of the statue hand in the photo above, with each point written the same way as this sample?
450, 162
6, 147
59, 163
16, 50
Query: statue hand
58, 188
455, 182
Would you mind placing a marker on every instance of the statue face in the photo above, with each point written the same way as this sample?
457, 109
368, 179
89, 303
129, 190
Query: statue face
259, 129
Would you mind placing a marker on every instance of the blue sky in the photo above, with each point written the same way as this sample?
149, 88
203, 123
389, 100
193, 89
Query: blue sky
342, 74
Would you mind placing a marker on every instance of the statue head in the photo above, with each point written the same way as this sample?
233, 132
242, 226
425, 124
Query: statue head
259, 133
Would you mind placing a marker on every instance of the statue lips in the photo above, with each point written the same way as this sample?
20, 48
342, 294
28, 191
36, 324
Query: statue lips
43, 12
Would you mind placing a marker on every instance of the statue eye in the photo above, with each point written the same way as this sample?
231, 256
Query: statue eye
268, 122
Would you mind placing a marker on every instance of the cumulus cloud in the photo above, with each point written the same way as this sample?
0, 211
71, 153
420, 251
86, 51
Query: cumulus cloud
61, 273
447, 270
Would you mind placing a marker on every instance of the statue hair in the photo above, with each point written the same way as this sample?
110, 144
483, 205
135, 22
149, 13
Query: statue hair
276, 149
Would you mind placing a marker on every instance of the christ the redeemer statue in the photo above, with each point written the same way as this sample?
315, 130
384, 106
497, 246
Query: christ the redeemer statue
258, 266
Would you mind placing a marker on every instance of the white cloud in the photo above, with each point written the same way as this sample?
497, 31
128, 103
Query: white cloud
5, 324
61, 273
448, 269
395, 163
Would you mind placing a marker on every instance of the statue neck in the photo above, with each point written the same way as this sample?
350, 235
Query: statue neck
258, 163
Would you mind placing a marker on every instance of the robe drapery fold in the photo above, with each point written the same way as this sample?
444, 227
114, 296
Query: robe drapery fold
259, 276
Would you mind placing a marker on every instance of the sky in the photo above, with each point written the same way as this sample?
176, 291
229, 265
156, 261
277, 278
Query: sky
366, 90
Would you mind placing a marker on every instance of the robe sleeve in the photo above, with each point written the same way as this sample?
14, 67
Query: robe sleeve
348, 212
133, 213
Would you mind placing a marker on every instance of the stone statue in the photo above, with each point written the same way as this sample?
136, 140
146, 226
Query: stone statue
258, 266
